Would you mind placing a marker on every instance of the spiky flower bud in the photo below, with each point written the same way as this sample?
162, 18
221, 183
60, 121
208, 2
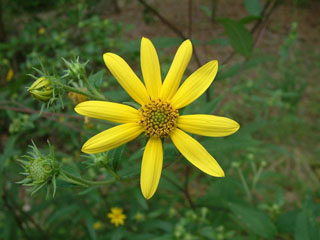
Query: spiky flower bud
41, 89
76, 70
100, 160
40, 169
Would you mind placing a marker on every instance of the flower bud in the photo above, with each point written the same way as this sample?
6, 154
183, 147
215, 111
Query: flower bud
41, 89
76, 70
40, 169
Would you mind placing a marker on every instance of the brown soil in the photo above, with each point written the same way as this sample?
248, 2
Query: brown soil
203, 29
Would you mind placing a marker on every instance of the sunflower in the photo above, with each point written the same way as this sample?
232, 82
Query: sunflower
158, 116
116, 216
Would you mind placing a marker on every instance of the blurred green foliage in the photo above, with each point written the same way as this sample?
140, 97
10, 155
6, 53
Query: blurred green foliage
271, 188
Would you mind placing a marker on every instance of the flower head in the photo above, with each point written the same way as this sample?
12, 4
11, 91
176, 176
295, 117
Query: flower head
116, 216
97, 225
10, 75
41, 30
77, 97
40, 169
41, 89
158, 116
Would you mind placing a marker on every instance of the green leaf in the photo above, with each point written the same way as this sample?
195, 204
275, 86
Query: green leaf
63, 213
249, 19
285, 222
141, 200
166, 42
219, 41
306, 227
97, 78
116, 156
206, 10
8, 151
89, 224
240, 38
234, 69
253, 7
253, 220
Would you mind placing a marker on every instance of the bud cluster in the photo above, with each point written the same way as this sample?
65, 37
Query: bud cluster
76, 70
40, 169
41, 89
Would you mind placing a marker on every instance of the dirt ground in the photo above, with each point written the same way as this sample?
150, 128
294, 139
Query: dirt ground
204, 29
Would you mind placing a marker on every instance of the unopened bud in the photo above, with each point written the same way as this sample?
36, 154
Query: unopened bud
41, 89
40, 169
76, 69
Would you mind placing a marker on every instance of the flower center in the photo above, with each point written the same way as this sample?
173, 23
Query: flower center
158, 118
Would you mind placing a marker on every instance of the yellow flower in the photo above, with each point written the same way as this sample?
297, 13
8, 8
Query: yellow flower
77, 97
139, 217
159, 115
41, 89
97, 225
42, 30
10, 75
116, 216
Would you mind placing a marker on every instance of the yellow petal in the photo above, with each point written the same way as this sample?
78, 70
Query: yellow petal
176, 71
151, 167
126, 77
208, 125
112, 138
114, 112
150, 68
195, 85
195, 153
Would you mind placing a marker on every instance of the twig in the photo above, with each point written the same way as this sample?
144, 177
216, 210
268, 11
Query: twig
47, 115
16, 216
190, 19
171, 26
264, 17
186, 187
17, 211
263, 25
180, 189
214, 8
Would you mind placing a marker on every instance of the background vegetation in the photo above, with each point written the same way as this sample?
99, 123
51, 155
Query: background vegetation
268, 81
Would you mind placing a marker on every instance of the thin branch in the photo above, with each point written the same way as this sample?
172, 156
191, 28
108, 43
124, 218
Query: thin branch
163, 19
263, 25
190, 19
17, 212
265, 14
180, 189
186, 187
16, 216
171, 26
46, 115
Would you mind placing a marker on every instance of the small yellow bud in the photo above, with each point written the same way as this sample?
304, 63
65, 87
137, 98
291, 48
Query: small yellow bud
139, 217
10, 75
41, 89
97, 225
77, 98
42, 31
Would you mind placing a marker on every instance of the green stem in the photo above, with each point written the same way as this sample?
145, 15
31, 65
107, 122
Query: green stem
245, 185
91, 88
113, 173
256, 177
71, 89
83, 182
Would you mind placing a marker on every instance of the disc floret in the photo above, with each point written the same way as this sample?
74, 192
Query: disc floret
158, 118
